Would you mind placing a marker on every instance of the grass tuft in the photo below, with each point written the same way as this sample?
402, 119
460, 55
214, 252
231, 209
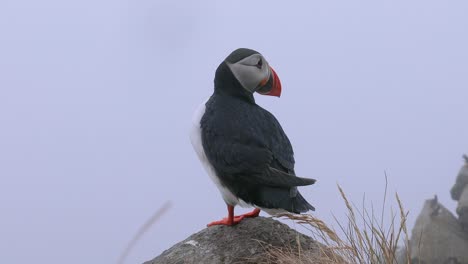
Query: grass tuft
362, 239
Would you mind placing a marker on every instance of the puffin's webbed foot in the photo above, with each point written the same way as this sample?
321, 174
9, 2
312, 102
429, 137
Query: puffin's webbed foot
227, 221
254, 213
234, 220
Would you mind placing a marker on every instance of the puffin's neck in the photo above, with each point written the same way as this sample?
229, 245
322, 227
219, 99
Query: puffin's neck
226, 84
246, 97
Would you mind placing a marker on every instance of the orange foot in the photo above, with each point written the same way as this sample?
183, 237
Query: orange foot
227, 221
254, 213
234, 220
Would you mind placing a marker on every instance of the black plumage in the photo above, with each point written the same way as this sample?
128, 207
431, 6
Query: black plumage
247, 147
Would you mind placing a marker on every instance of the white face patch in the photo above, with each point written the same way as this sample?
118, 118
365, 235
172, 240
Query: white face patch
250, 71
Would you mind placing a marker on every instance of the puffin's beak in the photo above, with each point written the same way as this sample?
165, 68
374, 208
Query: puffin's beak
271, 86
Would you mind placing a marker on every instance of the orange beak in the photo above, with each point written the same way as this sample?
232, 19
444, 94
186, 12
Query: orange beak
271, 86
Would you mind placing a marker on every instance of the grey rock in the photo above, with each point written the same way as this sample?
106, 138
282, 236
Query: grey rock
459, 193
462, 210
247, 242
461, 181
437, 237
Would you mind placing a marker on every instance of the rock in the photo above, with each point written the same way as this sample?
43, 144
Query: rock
459, 193
247, 242
461, 182
462, 209
437, 237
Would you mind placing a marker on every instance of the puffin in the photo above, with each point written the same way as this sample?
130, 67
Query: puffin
242, 146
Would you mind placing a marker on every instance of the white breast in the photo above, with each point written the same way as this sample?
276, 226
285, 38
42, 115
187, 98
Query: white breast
195, 138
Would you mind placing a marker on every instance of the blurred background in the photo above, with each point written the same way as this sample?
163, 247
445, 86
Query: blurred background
96, 99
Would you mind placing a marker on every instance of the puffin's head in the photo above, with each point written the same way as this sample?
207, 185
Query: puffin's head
246, 71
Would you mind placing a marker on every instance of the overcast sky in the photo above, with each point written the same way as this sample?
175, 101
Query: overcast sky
96, 99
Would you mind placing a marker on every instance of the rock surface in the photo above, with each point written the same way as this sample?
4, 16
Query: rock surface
437, 238
461, 181
460, 193
247, 242
462, 210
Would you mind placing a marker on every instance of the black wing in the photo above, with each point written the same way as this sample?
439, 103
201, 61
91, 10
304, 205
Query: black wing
244, 141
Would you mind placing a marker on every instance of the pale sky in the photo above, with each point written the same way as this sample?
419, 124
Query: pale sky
96, 99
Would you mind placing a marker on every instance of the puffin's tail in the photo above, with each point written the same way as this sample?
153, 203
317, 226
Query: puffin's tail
288, 199
300, 205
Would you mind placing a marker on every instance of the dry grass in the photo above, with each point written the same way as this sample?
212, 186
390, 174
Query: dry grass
288, 255
362, 239
145, 227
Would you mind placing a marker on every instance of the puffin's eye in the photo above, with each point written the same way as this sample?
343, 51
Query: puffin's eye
259, 64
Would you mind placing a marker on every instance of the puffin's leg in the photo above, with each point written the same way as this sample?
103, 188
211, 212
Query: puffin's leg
254, 213
230, 220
